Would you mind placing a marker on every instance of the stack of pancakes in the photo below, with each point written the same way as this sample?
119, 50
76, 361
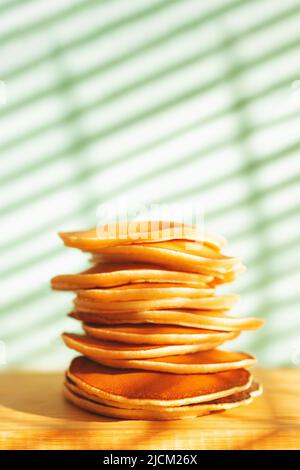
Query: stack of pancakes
153, 324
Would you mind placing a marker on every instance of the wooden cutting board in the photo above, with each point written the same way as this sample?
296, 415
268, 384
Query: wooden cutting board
34, 415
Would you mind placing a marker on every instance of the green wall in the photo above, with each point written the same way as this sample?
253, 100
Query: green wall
155, 101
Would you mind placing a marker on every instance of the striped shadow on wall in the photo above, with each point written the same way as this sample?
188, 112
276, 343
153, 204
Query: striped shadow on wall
158, 101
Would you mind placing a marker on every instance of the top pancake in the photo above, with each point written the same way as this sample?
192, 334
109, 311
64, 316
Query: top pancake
171, 246
128, 233
153, 387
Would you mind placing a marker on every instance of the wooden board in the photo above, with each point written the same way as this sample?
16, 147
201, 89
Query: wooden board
34, 415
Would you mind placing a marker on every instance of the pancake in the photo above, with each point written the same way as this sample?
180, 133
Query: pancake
86, 303
144, 291
219, 277
230, 276
195, 319
156, 334
78, 398
101, 350
204, 362
194, 248
112, 275
154, 388
167, 258
254, 388
127, 233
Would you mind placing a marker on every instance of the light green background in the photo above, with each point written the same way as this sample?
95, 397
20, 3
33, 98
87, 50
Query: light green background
156, 101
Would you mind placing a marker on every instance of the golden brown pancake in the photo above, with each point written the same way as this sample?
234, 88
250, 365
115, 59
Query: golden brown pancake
193, 318
154, 388
219, 276
127, 233
156, 334
82, 400
145, 291
84, 302
101, 350
204, 362
230, 276
254, 388
192, 247
170, 259
232, 264
111, 275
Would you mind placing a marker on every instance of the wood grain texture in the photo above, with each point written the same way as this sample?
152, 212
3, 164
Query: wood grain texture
34, 415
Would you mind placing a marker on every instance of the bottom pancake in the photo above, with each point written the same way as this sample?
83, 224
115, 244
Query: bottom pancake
254, 388
89, 403
147, 388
